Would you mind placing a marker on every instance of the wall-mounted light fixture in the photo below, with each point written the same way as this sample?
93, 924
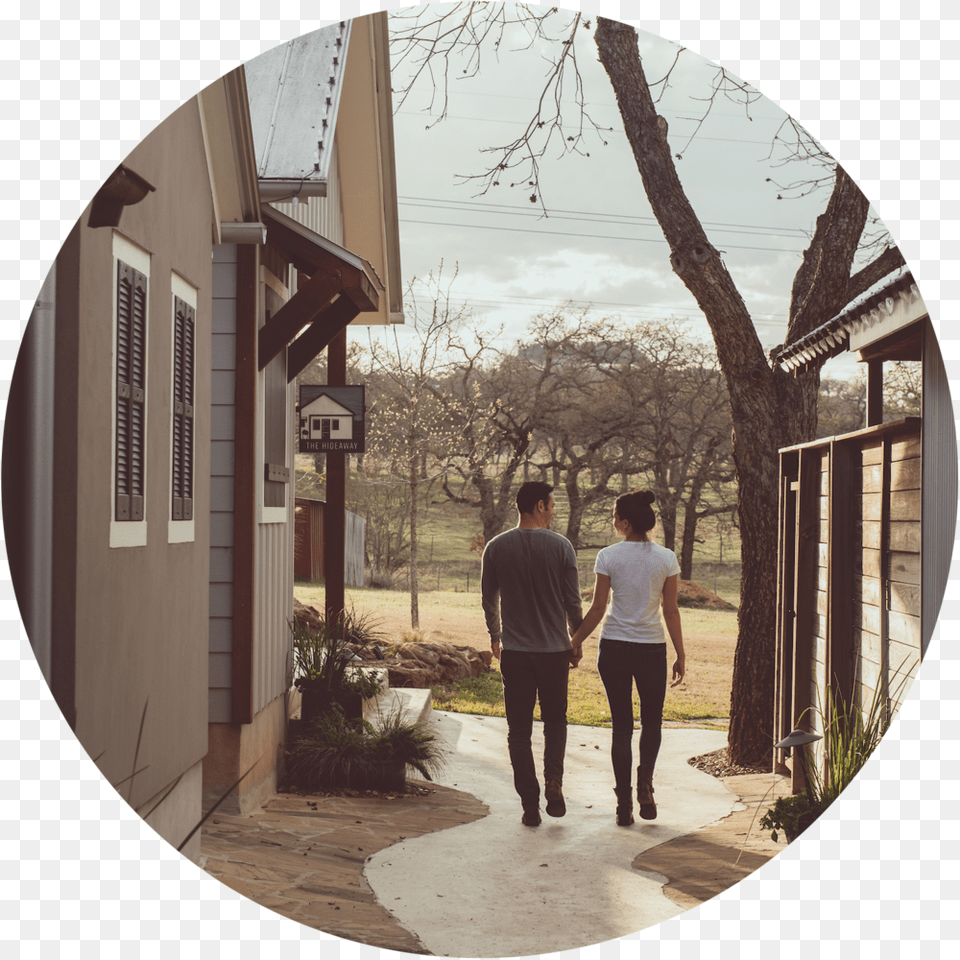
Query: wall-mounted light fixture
122, 189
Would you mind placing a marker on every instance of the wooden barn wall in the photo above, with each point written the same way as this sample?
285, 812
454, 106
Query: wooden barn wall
889, 598
222, 475
849, 570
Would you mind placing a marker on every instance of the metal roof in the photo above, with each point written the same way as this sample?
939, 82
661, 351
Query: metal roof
294, 92
833, 337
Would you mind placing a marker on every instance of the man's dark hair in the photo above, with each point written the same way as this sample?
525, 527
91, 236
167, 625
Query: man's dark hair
531, 493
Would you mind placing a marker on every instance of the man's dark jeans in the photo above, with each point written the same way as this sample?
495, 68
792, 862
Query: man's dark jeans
528, 677
622, 664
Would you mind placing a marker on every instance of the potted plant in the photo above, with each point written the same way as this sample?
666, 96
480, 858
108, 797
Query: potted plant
333, 751
325, 672
792, 815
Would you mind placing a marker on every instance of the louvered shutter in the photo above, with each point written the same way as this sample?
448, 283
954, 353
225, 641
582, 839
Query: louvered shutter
131, 391
183, 386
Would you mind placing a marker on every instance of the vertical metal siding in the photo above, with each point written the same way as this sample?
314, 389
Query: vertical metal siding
356, 528
274, 609
323, 215
939, 465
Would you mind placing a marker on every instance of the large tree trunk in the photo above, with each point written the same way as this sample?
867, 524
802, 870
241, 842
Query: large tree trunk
769, 408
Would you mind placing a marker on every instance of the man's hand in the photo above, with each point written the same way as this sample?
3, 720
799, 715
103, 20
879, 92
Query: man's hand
495, 649
576, 655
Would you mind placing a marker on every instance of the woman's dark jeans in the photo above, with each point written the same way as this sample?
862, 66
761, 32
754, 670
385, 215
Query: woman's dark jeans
528, 677
621, 665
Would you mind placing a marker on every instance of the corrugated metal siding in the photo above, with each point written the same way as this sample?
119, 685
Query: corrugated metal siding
356, 529
274, 609
323, 215
939, 516
222, 422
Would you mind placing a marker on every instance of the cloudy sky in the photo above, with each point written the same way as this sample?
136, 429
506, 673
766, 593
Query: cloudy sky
878, 83
591, 239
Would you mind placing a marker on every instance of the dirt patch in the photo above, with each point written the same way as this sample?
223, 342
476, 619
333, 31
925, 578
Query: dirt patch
690, 594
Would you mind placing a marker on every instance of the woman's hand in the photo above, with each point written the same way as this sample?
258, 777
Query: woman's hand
679, 666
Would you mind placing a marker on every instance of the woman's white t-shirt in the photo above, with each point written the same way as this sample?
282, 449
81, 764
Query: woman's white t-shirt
637, 570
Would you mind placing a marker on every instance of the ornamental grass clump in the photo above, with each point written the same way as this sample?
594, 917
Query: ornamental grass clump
850, 735
322, 659
334, 751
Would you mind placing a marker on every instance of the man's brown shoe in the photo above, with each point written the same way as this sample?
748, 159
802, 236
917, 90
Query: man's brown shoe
531, 816
554, 795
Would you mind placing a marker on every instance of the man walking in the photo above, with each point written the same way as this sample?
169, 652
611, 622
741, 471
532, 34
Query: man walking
531, 597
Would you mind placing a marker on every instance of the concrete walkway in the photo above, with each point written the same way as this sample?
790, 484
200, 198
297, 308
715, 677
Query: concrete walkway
495, 888
453, 872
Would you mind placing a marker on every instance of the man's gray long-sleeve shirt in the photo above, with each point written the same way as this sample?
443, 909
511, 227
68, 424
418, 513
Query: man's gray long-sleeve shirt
531, 590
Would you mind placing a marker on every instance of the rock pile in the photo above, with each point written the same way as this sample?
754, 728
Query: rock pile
412, 664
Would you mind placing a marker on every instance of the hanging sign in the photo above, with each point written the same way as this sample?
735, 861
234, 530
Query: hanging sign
331, 419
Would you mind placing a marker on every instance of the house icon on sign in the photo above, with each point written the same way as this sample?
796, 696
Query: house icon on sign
325, 419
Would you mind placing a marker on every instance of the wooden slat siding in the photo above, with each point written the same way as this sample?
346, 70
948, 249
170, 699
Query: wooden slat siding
222, 469
867, 588
905, 537
245, 506
903, 567
906, 598
939, 465
869, 534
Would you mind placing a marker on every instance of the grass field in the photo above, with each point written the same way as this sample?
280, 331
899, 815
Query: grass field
447, 563
703, 699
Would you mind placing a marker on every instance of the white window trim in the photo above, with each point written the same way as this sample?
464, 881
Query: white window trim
128, 533
182, 531
271, 514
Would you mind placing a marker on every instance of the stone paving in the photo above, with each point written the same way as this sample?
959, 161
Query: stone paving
303, 856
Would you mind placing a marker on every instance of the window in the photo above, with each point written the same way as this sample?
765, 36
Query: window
131, 282
184, 325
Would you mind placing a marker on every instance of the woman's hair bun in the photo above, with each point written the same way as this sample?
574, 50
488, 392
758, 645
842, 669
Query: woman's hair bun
646, 497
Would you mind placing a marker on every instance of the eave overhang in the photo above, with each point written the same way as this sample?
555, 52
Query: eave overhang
889, 310
340, 287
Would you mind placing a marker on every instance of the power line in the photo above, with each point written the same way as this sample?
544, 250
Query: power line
584, 236
582, 216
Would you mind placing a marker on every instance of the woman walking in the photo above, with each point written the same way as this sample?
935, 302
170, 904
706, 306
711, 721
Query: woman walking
642, 577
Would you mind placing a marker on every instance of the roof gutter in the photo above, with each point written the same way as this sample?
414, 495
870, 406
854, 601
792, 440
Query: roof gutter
288, 189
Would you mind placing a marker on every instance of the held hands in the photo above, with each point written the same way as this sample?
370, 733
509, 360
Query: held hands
576, 655
678, 671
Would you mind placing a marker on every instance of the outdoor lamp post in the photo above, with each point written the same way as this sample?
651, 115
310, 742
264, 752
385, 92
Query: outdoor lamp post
798, 738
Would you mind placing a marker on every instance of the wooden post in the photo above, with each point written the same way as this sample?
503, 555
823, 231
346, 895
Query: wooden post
335, 513
874, 393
